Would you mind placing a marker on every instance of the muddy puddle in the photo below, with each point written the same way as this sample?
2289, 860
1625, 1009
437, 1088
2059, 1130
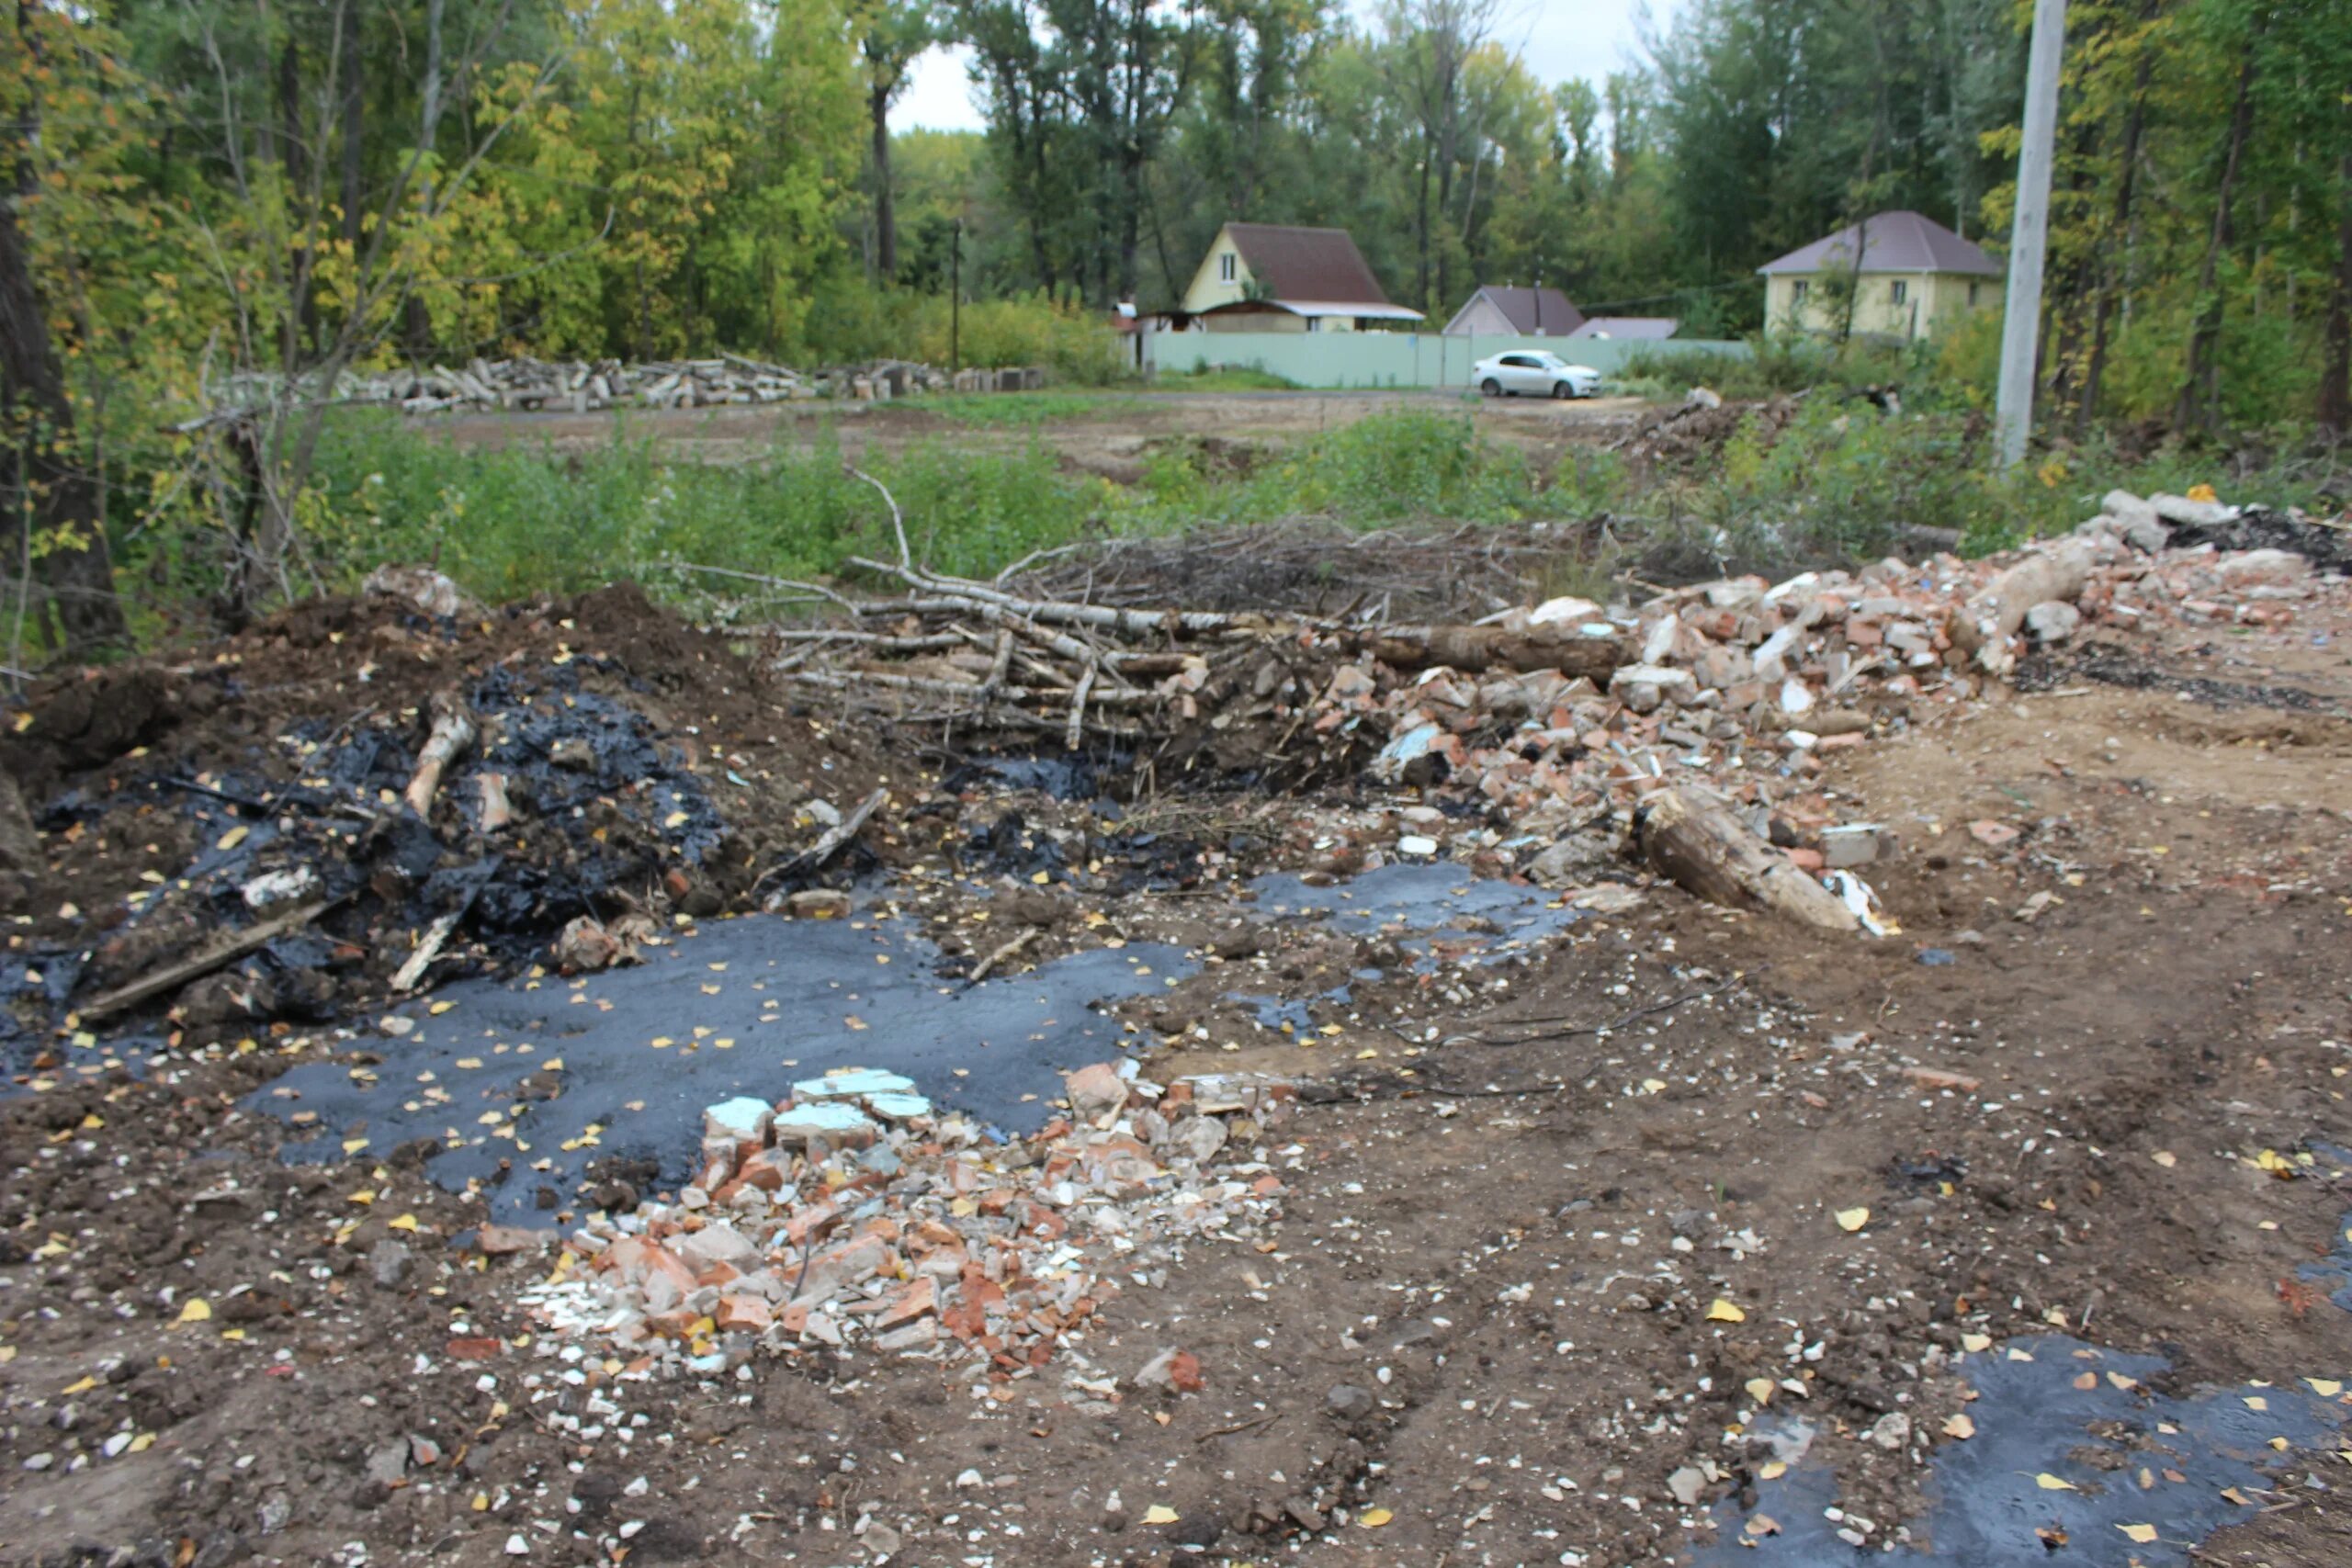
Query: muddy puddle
2073, 1452
1427, 908
527, 1082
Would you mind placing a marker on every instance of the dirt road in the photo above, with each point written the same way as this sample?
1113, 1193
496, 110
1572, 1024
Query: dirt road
1635, 1233
1109, 436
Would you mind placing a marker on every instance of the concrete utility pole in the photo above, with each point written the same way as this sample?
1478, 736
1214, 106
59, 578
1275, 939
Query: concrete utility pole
2029, 240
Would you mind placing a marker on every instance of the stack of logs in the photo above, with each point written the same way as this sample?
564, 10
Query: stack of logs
584, 386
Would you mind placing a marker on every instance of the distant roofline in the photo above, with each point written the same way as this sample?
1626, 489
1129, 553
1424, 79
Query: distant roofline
1905, 233
1365, 308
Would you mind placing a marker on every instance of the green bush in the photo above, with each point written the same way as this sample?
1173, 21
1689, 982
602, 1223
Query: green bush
850, 322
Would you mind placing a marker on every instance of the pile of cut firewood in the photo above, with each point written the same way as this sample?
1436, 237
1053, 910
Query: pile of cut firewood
580, 386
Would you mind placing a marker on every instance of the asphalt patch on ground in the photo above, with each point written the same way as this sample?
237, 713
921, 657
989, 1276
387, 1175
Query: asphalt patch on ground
742, 1006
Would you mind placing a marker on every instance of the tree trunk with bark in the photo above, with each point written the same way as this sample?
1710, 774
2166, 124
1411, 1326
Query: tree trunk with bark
43, 485
2200, 392
885, 224
2135, 123
2335, 373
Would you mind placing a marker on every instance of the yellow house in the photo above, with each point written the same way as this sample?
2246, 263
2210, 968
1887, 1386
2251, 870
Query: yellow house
1271, 278
1915, 278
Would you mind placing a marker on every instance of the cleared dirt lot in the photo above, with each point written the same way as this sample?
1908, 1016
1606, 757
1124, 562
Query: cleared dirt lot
1107, 436
1638, 1232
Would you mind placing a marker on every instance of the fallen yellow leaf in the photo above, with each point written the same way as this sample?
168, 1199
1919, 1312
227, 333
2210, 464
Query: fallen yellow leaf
2049, 1482
2164, 1157
1726, 1312
232, 838
1852, 1219
401, 1223
1373, 1518
1159, 1513
197, 1310
1760, 1390
1960, 1426
2143, 1534
2326, 1388
1976, 1342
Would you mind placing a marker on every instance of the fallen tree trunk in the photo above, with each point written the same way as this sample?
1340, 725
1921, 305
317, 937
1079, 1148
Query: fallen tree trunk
1474, 649
1695, 837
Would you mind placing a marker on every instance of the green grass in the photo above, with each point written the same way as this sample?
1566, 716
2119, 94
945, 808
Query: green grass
1227, 379
1022, 410
1840, 484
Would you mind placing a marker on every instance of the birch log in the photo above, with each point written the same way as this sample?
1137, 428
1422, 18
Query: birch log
1694, 837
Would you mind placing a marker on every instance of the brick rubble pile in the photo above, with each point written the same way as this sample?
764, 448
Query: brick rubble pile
1742, 685
850, 1216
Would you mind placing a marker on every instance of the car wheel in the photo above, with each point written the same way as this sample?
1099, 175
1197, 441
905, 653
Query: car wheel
1491, 387
1562, 390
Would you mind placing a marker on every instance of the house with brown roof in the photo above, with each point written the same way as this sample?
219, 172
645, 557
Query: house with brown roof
1507, 310
1272, 277
1911, 276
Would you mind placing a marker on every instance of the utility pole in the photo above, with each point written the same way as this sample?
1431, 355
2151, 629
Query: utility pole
2029, 239
955, 298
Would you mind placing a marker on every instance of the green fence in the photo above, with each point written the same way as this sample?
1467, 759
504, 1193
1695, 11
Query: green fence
1393, 359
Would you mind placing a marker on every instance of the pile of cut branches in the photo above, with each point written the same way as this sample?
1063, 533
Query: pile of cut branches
999, 662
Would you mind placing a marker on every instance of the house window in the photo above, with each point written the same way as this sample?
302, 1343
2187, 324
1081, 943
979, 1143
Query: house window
1225, 267
1802, 288
1898, 291
1315, 323
1971, 293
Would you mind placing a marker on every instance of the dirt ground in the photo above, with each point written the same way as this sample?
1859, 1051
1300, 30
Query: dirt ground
1677, 1237
1110, 437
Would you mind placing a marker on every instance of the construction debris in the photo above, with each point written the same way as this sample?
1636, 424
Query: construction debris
849, 1215
1561, 717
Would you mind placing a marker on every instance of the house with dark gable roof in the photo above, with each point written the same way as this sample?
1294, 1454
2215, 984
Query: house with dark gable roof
1507, 310
1913, 278
1272, 277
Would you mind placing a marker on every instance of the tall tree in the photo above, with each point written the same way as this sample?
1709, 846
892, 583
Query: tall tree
55, 522
1433, 41
892, 33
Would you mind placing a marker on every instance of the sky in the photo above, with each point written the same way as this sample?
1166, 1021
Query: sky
1558, 38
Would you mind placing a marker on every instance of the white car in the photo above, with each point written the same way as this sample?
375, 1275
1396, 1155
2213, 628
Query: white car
1542, 374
